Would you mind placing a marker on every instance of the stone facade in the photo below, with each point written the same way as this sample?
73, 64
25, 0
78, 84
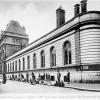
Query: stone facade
73, 47
12, 40
82, 33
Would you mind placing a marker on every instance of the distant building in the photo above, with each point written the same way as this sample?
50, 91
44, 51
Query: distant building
73, 47
12, 40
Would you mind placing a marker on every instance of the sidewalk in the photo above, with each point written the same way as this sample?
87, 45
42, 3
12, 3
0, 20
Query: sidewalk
84, 86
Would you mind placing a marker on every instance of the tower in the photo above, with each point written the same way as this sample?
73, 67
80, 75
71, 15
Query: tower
12, 40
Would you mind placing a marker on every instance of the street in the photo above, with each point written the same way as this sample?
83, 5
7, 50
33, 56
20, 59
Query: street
22, 90
22, 87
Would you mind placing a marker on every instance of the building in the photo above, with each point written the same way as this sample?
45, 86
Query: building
12, 40
73, 47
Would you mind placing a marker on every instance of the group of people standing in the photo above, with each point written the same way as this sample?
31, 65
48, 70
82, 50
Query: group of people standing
46, 77
59, 81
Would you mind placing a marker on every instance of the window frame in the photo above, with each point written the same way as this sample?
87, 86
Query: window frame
67, 55
19, 65
34, 61
28, 62
42, 59
23, 63
53, 56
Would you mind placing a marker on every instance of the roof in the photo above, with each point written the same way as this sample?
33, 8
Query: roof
86, 17
15, 27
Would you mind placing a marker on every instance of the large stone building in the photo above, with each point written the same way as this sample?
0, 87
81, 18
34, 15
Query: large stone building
74, 47
12, 40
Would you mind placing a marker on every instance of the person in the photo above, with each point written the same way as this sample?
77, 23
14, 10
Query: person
68, 77
38, 79
47, 77
33, 78
4, 78
58, 77
31, 81
27, 77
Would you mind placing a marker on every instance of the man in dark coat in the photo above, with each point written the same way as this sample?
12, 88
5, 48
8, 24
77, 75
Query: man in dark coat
68, 77
58, 77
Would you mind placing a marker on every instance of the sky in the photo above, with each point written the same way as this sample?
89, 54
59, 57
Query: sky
38, 16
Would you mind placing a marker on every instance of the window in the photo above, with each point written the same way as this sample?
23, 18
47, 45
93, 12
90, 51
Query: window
42, 59
10, 67
16, 65
53, 56
28, 62
13, 66
17, 41
34, 61
67, 53
23, 63
19, 65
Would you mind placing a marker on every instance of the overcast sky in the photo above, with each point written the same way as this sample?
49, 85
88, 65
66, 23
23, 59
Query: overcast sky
38, 16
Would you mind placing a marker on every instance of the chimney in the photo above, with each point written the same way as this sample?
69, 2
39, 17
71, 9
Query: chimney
83, 6
76, 10
60, 13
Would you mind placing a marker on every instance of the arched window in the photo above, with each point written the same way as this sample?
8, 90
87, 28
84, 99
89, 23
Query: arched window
10, 67
67, 53
28, 62
42, 59
34, 60
53, 56
13, 66
16, 65
19, 65
23, 63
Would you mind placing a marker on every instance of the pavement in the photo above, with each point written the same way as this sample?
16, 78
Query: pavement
16, 87
93, 87
84, 86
